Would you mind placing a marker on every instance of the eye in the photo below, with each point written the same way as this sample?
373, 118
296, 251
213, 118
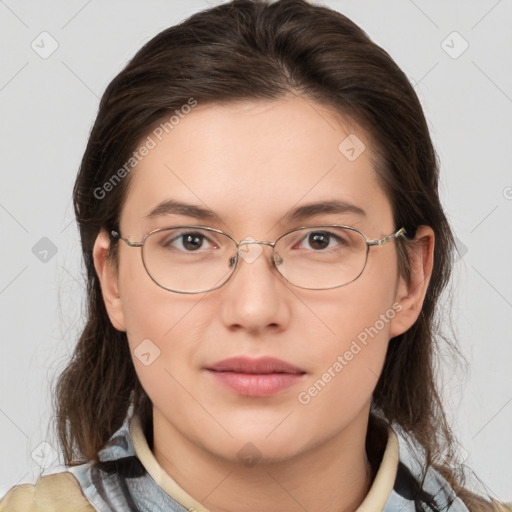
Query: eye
321, 240
188, 242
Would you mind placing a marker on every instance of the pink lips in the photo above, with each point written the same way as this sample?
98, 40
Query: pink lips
261, 377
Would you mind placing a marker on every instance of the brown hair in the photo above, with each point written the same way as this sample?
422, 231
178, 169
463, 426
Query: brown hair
250, 50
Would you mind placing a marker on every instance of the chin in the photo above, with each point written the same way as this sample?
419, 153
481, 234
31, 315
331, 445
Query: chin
250, 448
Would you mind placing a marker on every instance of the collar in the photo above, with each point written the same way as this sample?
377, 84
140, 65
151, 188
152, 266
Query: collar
376, 498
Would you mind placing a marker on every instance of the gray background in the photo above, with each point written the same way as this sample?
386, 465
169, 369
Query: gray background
48, 106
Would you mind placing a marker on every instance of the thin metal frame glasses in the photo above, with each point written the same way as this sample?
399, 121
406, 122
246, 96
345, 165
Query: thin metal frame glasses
322, 268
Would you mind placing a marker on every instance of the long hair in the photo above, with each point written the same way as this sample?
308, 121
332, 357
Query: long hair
251, 50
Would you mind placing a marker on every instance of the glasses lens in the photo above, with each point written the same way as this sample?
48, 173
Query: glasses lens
189, 259
321, 257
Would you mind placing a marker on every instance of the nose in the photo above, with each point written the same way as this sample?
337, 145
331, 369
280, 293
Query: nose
255, 298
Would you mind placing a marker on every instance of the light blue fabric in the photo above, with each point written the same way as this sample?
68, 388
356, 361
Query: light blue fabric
122, 484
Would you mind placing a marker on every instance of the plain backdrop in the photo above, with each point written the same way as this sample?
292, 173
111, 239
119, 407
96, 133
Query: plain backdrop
457, 54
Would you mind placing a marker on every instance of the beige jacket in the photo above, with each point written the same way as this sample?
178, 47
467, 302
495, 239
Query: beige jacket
52, 493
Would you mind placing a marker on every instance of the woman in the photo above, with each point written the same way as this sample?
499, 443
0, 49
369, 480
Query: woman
265, 249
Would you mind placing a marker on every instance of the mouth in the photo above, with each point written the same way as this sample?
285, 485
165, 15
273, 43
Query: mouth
260, 377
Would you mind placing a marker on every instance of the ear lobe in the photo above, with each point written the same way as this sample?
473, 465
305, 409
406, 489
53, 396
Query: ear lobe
410, 295
107, 275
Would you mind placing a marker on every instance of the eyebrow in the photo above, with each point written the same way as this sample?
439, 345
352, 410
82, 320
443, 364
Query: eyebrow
172, 206
323, 207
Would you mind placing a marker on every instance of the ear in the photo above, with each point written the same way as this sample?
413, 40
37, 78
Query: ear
107, 275
410, 295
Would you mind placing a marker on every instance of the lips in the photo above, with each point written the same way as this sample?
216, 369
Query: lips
261, 377
263, 365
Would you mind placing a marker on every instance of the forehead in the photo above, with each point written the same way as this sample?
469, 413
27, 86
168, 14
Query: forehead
253, 162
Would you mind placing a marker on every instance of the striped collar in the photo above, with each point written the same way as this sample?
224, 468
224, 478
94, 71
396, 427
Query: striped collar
128, 477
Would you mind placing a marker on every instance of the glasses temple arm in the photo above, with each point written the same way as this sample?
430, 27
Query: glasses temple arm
388, 238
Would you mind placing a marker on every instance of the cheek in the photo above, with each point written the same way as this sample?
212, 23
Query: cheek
346, 369
349, 354
174, 324
355, 330
360, 311
163, 328
163, 343
149, 310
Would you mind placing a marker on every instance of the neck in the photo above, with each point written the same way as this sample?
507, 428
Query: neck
332, 477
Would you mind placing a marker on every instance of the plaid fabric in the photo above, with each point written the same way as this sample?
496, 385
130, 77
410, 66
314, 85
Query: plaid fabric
121, 483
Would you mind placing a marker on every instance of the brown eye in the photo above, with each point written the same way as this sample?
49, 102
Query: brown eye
186, 241
192, 241
321, 240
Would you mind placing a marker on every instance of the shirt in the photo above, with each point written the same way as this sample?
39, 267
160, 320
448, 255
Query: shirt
129, 478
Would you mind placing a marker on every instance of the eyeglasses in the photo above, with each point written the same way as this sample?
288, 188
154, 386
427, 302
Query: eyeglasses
197, 259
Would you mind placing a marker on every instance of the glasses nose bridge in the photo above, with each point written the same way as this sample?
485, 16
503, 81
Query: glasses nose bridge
249, 242
261, 242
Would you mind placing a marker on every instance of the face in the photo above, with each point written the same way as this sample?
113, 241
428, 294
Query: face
252, 164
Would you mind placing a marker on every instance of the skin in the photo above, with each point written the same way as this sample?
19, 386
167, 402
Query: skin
251, 163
